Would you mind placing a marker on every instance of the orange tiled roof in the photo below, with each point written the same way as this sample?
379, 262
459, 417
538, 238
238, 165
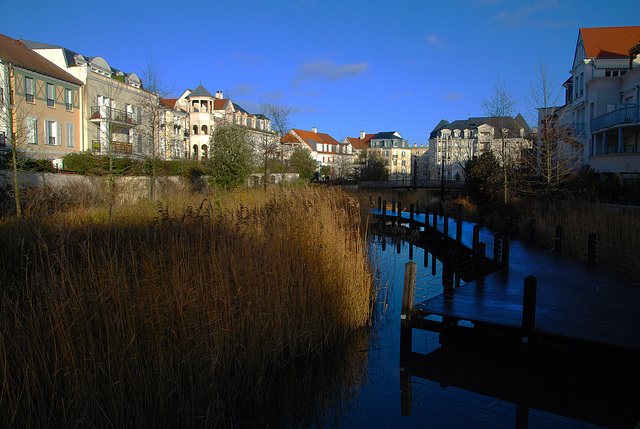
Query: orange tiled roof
170, 102
16, 52
219, 103
359, 143
609, 42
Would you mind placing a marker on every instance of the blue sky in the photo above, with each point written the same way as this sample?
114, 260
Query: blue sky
343, 66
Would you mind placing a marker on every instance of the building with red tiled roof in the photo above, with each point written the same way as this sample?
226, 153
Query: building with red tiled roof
601, 117
39, 104
324, 149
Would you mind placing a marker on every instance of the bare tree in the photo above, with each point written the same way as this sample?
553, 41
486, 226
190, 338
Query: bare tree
153, 120
559, 149
280, 125
500, 107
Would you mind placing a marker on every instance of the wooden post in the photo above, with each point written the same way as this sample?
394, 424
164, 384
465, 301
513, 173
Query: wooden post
379, 203
459, 213
558, 243
529, 308
480, 255
411, 251
406, 401
445, 227
393, 205
506, 248
447, 273
411, 209
591, 249
384, 243
435, 222
476, 237
426, 258
384, 213
496, 247
459, 230
399, 213
532, 230
408, 293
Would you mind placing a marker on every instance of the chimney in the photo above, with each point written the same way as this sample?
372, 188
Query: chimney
314, 129
219, 94
362, 135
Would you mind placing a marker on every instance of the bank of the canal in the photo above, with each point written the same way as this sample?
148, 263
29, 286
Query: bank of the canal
485, 386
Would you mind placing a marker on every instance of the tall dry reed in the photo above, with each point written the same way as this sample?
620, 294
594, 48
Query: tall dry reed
180, 313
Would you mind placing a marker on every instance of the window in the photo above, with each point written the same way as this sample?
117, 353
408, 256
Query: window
31, 126
3, 139
69, 134
69, 99
52, 133
51, 95
28, 89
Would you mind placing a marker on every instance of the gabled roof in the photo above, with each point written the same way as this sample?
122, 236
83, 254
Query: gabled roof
387, 135
19, 54
220, 103
474, 123
360, 144
309, 137
200, 91
239, 108
609, 42
169, 102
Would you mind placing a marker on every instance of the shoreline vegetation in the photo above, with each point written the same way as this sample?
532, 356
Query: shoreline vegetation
189, 311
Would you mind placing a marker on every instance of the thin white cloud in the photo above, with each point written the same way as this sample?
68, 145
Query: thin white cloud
244, 89
328, 71
453, 96
436, 41
273, 95
525, 16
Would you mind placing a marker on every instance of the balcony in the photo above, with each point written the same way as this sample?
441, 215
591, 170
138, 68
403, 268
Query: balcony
111, 115
121, 148
624, 116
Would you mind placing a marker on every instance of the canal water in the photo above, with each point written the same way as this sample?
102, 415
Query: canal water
459, 394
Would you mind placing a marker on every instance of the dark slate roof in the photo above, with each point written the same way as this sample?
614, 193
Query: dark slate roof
385, 135
19, 54
474, 123
200, 91
239, 108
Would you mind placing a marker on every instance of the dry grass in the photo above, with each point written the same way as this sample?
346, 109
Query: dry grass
180, 313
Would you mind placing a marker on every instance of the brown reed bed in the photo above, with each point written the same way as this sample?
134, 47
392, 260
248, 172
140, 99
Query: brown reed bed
182, 313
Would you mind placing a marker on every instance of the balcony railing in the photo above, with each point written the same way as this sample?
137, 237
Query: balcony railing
625, 115
104, 113
116, 147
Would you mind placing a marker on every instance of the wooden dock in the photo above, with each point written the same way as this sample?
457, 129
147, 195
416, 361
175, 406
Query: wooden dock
530, 295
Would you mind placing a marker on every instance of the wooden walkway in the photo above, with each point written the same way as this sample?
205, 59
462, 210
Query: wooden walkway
575, 303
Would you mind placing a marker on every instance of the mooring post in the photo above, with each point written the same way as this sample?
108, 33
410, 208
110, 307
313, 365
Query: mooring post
406, 405
433, 265
459, 213
408, 293
426, 258
591, 249
445, 227
480, 255
384, 213
393, 205
532, 230
435, 222
476, 237
459, 230
447, 273
558, 243
506, 248
529, 309
411, 208
399, 213
496, 247
411, 251
379, 203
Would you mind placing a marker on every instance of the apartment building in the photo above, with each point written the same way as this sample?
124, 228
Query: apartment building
396, 151
451, 145
206, 110
602, 109
39, 104
113, 102
322, 147
175, 142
